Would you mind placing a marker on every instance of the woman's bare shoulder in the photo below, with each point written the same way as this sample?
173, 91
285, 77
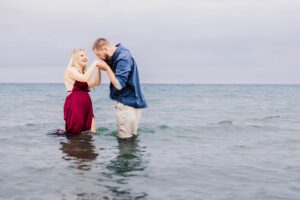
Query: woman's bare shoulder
71, 70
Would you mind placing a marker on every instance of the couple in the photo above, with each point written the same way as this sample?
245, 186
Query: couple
125, 88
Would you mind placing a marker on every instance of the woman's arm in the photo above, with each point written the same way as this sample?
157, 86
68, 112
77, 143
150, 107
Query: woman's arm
75, 75
97, 80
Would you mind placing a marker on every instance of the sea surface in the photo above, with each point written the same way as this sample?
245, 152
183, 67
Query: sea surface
194, 142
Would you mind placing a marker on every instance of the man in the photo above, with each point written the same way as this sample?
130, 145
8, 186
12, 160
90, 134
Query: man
125, 86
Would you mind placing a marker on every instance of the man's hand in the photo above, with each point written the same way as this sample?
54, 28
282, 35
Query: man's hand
103, 65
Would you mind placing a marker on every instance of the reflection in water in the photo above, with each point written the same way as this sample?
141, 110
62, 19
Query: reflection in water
80, 149
129, 158
128, 163
126, 166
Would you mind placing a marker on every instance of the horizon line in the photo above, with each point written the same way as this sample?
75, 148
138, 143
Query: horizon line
158, 83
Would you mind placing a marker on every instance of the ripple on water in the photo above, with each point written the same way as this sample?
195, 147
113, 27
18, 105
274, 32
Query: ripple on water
225, 122
272, 117
144, 129
179, 153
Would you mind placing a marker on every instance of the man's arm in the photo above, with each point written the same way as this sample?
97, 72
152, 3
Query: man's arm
120, 78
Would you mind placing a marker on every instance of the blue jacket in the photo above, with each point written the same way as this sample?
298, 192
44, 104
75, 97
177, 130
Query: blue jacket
126, 73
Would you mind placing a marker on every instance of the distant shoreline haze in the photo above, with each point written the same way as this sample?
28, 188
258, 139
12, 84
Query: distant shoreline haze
107, 83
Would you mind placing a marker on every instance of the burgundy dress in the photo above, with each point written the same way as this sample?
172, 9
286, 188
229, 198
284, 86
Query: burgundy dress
78, 109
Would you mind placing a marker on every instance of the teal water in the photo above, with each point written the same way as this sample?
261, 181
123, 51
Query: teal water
194, 142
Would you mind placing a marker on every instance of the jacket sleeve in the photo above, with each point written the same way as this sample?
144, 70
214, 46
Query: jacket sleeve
123, 68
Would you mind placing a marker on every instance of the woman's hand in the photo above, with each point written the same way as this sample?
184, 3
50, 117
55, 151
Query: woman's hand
96, 63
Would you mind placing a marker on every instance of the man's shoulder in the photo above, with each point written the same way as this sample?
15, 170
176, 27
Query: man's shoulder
124, 55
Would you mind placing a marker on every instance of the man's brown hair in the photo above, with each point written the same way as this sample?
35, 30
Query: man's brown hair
100, 43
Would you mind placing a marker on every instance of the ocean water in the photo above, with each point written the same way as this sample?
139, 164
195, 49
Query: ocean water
194, 142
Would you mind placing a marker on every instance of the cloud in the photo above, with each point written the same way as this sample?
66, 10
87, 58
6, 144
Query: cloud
170, 39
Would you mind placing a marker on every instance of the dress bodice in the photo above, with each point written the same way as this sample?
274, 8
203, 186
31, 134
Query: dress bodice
81, 86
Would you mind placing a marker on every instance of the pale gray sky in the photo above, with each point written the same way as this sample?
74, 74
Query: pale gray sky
191, 41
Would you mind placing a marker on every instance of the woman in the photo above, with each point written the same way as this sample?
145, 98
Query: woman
78, 109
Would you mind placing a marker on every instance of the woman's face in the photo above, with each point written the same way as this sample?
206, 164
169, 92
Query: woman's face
81, 58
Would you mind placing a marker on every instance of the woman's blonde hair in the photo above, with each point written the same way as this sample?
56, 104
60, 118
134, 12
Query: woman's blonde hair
72, 61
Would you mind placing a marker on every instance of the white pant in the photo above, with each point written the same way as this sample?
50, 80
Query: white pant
127, 120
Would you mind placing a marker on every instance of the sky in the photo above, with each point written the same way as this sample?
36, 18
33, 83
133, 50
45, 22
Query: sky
191, 41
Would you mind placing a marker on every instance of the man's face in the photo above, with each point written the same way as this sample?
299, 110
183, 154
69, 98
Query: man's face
102, 54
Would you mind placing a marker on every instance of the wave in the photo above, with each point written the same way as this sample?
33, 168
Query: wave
225, 122
272, 117
164, 127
